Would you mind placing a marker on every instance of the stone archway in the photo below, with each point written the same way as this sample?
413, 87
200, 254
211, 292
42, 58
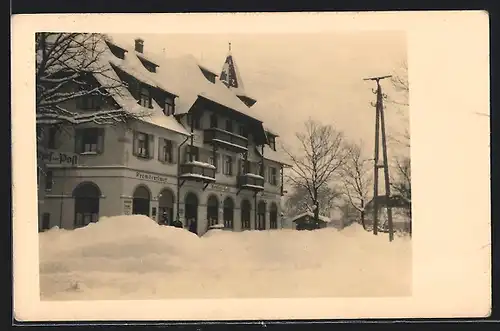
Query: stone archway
261, 216
191, 212
228, 213
166, 200
246, 209
87, 197
212, 210
141, 201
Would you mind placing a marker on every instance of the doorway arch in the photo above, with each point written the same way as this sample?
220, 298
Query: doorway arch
228, 213
86, 196
212, 210
261, 216
245, 214
166, 200
191, 211
273, 216
141, 201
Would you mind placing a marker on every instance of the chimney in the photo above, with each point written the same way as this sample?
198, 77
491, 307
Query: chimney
139, 45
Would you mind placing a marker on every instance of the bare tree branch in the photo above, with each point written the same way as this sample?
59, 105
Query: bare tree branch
322, 155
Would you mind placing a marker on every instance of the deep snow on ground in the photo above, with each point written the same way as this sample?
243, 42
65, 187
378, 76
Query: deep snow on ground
132, 257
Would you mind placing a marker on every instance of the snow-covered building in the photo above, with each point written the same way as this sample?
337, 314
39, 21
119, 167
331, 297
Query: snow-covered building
305, 221
201, 154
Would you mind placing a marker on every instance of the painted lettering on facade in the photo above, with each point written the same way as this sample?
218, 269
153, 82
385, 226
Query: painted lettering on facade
151, 177
222, 188
54, 157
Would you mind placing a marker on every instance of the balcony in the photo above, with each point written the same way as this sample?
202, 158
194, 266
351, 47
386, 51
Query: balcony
197, 171
226, 139
251, 182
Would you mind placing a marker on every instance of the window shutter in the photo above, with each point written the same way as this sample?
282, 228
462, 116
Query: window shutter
100, 141
161, 144
266, 179
151, 142
78, 141
134, 144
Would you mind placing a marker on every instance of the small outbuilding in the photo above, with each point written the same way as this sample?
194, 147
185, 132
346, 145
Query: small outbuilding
306, 221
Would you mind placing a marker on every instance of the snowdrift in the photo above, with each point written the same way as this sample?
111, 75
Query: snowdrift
132, 257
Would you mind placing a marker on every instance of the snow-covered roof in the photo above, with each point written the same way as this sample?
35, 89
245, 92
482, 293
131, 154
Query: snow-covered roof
310, 214
271, 131
276, 156
108, 77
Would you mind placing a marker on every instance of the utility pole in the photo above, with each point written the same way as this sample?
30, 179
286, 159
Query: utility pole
380, 125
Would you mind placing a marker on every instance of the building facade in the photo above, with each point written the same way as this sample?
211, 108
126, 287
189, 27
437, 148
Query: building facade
201, 155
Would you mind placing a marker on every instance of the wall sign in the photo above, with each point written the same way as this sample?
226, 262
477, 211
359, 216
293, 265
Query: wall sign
127, 207
151, 177
219, 187
55, 157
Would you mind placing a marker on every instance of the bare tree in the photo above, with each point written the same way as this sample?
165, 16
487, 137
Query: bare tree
357, 180
323, 155
401, 85
401, 183
299, 200
71, 66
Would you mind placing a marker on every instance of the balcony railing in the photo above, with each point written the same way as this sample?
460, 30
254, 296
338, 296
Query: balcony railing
251, 182
197, 171
227, 139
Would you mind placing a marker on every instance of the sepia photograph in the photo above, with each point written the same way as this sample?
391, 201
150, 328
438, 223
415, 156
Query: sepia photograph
166, 169
225, 165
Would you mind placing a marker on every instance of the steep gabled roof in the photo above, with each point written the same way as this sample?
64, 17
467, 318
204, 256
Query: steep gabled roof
230, 76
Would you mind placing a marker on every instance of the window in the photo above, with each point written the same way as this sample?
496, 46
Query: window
273, 172
243, 131
272, 143
228, 165
143, 145
89, 141
117, 51
166, 151
229, 125
86, 196
213, 121
208, 75
145, 98
192, 153
49, 180
51, 144
261, 216
273, 216
168, 108
89, 102
194, 121
214, 162
45, 221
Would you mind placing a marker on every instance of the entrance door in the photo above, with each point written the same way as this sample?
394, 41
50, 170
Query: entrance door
141, 201
191, 205
166, 206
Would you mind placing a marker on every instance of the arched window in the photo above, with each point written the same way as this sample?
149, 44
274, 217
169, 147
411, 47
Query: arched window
191, 213
273, 216
166, 206
86, 197
212, 210
141, 201
261, 216
228, 213
245, 214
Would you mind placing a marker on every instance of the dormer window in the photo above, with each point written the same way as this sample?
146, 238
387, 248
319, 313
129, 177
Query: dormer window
272, 143
210, 76
145, 98
168, 107
117, 51
150, 66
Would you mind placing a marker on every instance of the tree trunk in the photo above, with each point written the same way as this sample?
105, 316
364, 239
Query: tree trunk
363, 219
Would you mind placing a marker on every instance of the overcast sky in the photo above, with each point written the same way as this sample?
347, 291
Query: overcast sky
294, 76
